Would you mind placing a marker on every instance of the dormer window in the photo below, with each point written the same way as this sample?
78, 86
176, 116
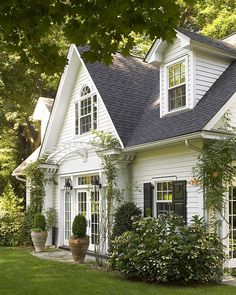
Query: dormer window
176, 86
86, 111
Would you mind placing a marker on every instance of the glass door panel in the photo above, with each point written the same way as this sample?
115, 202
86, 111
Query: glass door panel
67, 217
94, 218
232, 223
82, 203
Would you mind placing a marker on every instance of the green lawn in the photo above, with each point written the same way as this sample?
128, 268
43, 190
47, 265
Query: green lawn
21, 273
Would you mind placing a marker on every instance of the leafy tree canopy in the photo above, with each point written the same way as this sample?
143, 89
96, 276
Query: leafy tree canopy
33, 27
213, 18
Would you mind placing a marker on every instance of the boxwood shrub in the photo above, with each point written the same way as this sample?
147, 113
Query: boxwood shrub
164, 249
123, 218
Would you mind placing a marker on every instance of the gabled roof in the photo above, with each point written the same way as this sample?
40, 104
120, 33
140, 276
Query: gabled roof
152, 128
130, 91
209, 41
126, 87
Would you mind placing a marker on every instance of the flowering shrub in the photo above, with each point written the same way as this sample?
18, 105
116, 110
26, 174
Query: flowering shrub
165, 250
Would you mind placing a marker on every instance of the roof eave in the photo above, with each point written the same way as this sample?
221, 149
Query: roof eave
211, 49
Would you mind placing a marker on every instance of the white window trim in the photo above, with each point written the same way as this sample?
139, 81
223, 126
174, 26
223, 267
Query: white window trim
161, 180
166, 83
78, 101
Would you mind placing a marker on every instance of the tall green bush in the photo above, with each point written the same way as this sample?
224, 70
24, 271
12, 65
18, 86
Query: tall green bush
39, 222
124, 217
166, 250
11, 217
79, 226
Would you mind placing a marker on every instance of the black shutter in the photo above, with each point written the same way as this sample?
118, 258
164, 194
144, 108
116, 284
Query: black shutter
148, 197
179, 198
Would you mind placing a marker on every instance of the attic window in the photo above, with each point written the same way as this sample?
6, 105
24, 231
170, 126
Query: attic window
176, 86
86, 111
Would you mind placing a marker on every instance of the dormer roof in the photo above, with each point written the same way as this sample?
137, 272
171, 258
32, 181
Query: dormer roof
191, 40
152, 127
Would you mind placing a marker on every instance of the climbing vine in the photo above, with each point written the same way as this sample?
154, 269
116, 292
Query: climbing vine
37, 185
37, 182
106, 141
214, 168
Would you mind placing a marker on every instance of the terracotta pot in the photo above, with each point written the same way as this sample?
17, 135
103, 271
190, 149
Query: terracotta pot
79, 248
39, 240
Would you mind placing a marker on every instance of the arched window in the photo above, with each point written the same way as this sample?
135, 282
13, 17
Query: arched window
86, 111
85, 90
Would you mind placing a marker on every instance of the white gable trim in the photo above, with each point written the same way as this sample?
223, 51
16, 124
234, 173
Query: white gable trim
155, 55
220, 113
96, 90
61, 100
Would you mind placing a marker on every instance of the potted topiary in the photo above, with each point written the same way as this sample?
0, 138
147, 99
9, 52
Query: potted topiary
38, 233
79, 242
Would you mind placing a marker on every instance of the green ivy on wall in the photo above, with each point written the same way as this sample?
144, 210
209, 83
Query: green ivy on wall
214, 168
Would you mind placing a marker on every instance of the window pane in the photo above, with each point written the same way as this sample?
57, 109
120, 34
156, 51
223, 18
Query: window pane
177, 97
85, 90
177, 69
177, 80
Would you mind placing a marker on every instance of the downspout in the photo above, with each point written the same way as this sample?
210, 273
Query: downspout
197, 149
191, 146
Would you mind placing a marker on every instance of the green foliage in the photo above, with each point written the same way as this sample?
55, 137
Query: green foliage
51, 215
106, 26
39, 222
104, 139
37, 185
215, 170
37, 194
11, 218
123, 218
79, 226
214, 18
167, 250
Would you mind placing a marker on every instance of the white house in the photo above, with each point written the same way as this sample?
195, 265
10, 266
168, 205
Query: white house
161, 110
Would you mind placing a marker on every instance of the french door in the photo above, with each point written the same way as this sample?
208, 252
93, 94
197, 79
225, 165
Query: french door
232, 226
67, 217
87, 203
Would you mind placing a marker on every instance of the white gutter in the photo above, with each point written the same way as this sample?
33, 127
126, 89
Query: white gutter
205, 134
153, 145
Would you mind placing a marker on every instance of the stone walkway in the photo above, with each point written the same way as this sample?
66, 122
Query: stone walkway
60, 256
229, 281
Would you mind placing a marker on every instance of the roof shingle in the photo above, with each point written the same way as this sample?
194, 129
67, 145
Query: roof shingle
130, 90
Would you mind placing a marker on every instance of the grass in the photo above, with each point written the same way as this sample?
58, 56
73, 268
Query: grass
21, 273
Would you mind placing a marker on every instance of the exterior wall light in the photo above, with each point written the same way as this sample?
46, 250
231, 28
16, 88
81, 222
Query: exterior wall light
68, 185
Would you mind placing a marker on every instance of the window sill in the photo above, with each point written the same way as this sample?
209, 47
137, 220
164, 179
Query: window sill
179, 110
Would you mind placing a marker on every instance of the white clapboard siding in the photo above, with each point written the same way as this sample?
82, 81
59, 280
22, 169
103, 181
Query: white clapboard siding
174, 52
167, 163
208, 70
68, 128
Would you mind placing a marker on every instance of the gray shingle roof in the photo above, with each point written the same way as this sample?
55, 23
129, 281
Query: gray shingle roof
125, 87
209, 41
130, 91
153, 128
